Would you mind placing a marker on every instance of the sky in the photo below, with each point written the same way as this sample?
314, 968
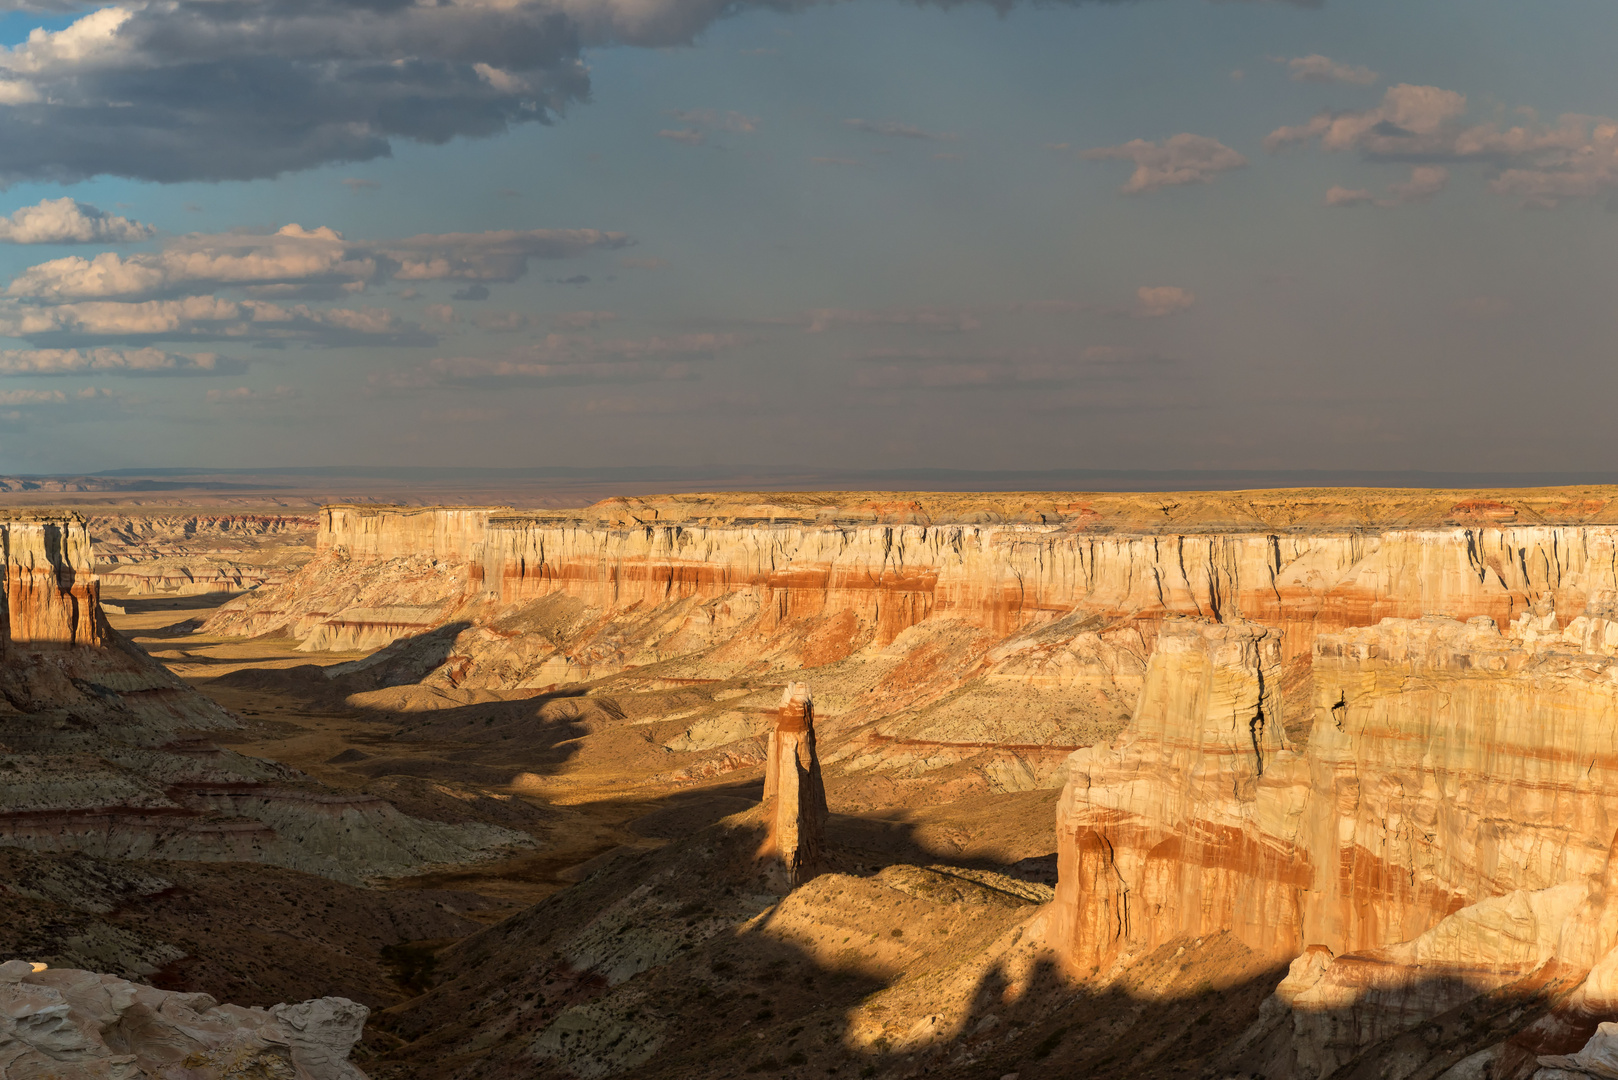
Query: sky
1168, 234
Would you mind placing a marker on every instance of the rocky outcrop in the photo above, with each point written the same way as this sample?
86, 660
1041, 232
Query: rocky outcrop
1188, 824
65, 1024
51, 593
794, 795
1445, 832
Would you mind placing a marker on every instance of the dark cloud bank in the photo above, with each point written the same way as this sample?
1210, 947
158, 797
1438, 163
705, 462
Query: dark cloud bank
181, 90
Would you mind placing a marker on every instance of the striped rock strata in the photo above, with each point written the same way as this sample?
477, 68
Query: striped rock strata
103, 750
1444, 832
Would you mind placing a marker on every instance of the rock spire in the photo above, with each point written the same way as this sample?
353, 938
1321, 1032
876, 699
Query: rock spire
794, 796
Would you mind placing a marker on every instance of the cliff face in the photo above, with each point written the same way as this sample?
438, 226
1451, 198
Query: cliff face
883, 577
1188, 824
51, 593
1445, 830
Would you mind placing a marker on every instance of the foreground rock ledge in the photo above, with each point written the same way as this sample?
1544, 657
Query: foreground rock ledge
65, 1024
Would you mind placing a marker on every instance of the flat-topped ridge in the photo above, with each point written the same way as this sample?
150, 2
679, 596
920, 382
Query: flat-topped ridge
1295, 510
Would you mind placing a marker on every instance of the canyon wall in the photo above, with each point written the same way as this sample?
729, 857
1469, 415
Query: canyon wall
51, 595
1000, 575
1445, 830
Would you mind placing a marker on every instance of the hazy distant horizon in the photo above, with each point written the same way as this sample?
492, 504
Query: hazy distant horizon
926, 479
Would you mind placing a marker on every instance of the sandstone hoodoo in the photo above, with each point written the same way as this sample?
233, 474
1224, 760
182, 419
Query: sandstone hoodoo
794, 794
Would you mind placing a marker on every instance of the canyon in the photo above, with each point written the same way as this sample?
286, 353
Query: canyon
1294, 783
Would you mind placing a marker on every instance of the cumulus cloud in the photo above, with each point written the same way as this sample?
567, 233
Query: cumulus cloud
208, 318
68, 221
1425, 181
502, 322
1317, 68
582, 320
1159, 301
295, 262
948, 320
185, 90
242, 395
1539, 164
52, 397
107, 361
894, 130
1179, 159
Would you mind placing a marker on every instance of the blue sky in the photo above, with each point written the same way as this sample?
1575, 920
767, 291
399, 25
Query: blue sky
855, 235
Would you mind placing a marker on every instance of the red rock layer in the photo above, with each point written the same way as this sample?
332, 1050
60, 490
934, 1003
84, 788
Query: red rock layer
1447, 764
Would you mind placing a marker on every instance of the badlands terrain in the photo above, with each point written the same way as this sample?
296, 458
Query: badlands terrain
1282, 783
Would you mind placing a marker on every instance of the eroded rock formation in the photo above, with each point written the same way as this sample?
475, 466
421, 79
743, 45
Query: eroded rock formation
794, 794
103, 750
1026, 620
65, 1024
1445, 832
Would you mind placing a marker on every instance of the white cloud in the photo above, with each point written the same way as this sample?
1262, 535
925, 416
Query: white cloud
582, 320
699, 123
949, 320
1336, 195
112, 362
52, 397
1539, 164
1425, 181
242, 395
294, 260
1317, 68
209, 318
1179, 159
67, 221
1159, 301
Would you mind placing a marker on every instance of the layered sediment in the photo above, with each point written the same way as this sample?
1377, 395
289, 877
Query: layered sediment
156, 552
103, 750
